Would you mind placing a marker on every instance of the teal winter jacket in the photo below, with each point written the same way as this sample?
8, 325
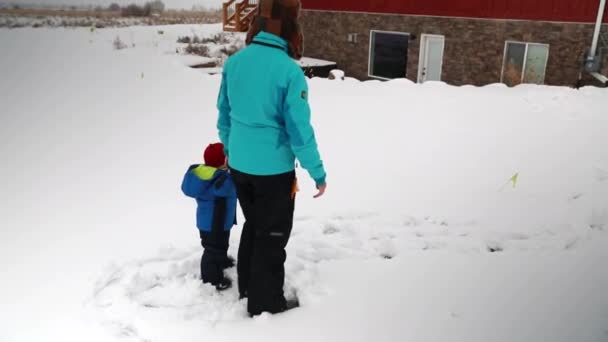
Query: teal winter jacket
264, 117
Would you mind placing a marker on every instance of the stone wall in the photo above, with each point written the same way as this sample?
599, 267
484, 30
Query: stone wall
474, 48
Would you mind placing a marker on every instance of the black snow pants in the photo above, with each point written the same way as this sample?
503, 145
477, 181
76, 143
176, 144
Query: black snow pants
268, 206
215, 244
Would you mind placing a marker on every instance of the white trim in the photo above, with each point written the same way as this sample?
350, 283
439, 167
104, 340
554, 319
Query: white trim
457, 17
546, 62
504, 59
424, 53
421, 55
391, 32
369, 56
525, 61
379, 78
523, 68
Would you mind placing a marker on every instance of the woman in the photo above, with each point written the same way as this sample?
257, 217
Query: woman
264, 123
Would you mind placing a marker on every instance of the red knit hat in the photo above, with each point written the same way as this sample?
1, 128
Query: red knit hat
214, 155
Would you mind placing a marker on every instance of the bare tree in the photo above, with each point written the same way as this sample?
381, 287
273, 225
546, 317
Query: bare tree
156, 6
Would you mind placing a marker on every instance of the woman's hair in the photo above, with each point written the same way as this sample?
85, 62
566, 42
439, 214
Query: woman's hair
279, 17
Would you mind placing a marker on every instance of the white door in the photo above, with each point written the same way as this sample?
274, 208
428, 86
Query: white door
431, 57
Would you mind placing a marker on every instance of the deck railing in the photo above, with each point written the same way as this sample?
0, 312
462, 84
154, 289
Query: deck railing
238, 15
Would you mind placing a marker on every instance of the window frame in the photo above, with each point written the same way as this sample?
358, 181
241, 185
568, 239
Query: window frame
369, 58
525, 61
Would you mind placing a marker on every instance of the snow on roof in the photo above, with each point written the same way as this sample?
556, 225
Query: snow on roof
193, 60
314, 62
211, 71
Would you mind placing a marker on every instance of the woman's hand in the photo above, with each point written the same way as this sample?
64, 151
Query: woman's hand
321, 189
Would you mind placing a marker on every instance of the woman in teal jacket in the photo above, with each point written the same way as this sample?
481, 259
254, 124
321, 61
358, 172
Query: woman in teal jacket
264, 123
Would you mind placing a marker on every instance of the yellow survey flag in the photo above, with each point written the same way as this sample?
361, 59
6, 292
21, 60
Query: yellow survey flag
514, 179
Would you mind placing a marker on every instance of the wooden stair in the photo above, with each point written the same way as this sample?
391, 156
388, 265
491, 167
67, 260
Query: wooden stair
238, 15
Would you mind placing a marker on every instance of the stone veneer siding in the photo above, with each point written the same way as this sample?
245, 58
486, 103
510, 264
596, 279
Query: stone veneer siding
474, 48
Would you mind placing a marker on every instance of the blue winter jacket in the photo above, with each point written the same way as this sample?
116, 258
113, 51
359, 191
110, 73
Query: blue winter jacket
264, 117
215, 195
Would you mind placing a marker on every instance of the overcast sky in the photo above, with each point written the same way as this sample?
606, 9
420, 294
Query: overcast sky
169, 3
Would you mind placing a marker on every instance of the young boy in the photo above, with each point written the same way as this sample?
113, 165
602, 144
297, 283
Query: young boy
213, 188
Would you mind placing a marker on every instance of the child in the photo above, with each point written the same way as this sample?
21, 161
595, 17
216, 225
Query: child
213, 188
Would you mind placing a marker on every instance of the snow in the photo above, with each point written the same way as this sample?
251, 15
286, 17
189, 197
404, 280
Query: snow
194, 60
314, 62
421, 235
336, 74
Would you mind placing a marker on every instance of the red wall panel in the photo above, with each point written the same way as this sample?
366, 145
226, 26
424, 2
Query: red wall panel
549, 10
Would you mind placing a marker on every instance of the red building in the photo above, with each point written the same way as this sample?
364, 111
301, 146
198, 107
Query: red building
457, 41
584, 11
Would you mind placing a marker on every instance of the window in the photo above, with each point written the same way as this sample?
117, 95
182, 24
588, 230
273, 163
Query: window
388, 54
524, 63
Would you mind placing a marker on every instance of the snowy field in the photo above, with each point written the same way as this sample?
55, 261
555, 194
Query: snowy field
423, 235
12, 21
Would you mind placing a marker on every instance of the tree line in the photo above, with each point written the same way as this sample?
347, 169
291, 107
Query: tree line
134, 10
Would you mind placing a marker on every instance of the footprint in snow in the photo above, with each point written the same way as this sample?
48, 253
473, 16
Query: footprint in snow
330, 229
494, 247
411, 222
575, 197
600, 174
518, 236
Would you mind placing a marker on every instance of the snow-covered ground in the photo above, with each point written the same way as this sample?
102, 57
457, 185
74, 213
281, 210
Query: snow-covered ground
422, 236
